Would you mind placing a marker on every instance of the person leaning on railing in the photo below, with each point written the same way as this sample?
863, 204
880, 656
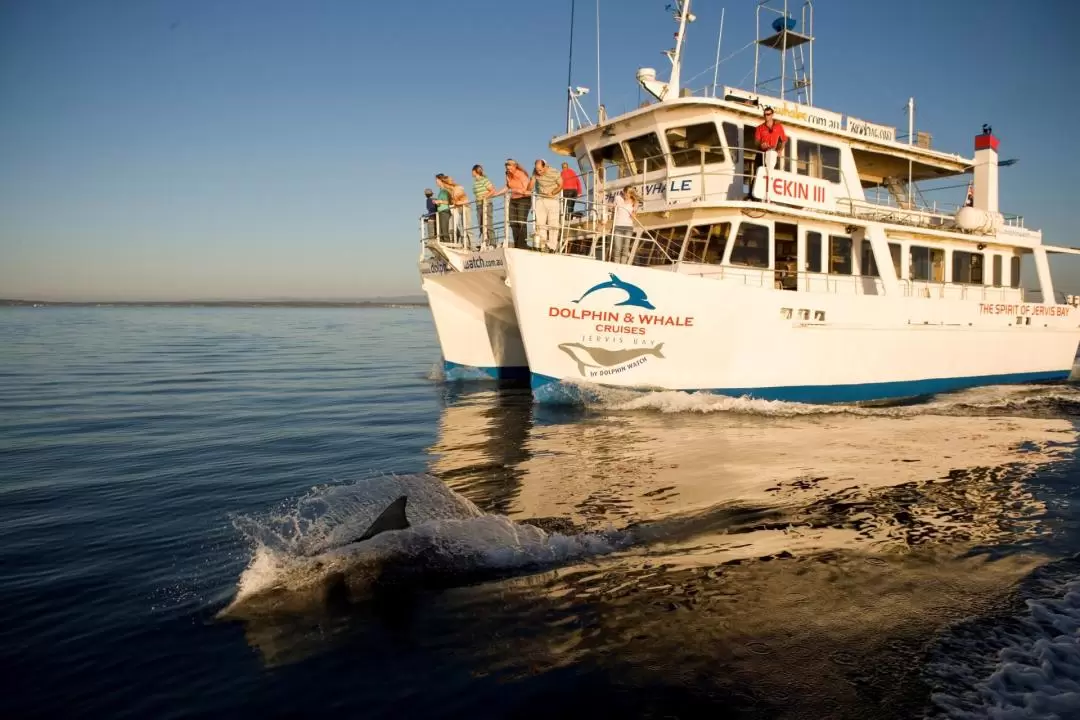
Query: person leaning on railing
769, 135
548, 207
430, 208
442, 208
518, 185
459, 203
482, 191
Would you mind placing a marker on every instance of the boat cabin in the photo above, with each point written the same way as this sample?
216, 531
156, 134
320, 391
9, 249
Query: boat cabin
838, 212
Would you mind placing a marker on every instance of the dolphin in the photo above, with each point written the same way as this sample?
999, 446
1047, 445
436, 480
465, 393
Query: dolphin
597, 357
449, 542
635, 296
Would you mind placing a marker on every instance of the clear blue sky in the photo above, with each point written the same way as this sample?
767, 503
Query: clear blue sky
273, 148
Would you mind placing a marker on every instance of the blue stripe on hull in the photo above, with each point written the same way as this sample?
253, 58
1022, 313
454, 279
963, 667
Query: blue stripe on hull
547, 389
455, 372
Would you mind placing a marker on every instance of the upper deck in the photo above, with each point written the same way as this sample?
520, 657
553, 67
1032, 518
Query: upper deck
700, 150
880, 155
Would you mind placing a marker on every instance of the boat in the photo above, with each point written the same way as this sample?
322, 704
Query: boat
819, 274
464, 278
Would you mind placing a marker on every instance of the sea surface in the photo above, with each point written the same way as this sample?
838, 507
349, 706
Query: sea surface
179, 489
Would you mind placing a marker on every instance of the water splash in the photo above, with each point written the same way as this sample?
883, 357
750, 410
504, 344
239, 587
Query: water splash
298, 546
1017, 399
1022, 667
436, 373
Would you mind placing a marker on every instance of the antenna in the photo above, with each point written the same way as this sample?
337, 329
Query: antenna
719, 39
647, 76
570, 73
599, 107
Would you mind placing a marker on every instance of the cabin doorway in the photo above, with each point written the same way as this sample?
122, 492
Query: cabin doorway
786, 268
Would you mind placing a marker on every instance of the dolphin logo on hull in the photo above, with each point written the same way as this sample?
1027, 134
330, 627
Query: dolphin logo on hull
635, 296
596, 357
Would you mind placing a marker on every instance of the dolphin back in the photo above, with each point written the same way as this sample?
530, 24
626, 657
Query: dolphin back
392, 518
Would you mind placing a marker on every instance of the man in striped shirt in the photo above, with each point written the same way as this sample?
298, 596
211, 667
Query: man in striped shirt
482, 190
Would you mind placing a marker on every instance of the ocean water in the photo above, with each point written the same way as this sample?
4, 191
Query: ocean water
180, 489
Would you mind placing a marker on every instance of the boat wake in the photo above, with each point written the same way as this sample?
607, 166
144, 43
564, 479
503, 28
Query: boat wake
1024, 664
994, 399
436, 373
304, 553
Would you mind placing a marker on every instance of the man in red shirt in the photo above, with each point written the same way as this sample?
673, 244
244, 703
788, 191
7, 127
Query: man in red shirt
571, 190
769, 135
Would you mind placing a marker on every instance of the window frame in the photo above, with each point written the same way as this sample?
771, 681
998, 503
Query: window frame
829, 173
638, 164
833, 239
696, 155
813, 258
965, 267
623, 170
740, 238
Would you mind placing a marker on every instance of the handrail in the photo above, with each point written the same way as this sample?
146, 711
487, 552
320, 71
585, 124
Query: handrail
880, 198
468, 227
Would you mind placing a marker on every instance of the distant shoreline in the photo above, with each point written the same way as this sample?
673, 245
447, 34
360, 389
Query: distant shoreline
219, 303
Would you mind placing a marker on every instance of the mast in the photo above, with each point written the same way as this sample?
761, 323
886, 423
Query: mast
647, 76
719, 39
570, 75
795, 46
682, 15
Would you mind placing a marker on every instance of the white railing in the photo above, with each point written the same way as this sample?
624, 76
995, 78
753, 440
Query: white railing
584, 227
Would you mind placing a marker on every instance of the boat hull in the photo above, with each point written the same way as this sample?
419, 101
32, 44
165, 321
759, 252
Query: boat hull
474, 317
587, 324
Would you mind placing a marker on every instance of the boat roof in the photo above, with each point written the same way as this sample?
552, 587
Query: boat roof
876, 158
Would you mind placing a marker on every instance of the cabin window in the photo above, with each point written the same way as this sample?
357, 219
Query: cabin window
731, 137
927, 264
646, 152
1014, 271
751, 246
868, 264
967, 268
611, 163
813, 252
663, 249
786, 255
694, 144
997, 271
707, 243
840, 261
894, 251
818, 161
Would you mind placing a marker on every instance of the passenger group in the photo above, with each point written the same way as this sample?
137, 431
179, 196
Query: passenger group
555, 191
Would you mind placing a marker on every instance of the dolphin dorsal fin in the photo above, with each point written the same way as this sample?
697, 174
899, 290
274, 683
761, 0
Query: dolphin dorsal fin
614, 278
392, 518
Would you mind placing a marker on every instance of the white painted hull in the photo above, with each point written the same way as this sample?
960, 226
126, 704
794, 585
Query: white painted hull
724, 336
474, 316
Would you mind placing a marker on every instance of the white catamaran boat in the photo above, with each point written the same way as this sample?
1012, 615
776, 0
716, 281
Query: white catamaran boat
813, 291
818, 274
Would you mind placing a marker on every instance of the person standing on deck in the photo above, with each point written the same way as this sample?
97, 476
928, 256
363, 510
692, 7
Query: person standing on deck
571, 190
622, 224
548, 208
482, 191
518, 185
769, 135
430, 208
459, 203
442, 205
